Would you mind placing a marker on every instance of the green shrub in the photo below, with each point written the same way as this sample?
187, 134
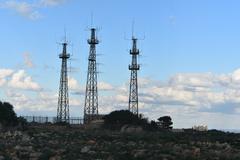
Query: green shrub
7, 115
165, 122
116, 119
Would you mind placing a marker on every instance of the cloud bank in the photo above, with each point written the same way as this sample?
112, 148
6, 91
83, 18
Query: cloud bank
189, 98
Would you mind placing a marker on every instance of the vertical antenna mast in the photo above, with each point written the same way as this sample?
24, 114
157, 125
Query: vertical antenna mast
133, 23
91, 97
133, 67
63, 98
92, 20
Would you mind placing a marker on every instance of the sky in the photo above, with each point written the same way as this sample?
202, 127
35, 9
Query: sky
190, 57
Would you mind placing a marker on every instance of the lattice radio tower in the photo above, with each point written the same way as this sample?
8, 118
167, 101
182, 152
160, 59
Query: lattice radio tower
63, 99
134, 67
91, 97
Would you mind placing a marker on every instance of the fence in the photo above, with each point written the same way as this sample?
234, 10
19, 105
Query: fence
45, 119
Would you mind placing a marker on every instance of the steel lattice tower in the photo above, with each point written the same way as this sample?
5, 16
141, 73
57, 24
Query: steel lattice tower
134, 67
91, 97
63, 99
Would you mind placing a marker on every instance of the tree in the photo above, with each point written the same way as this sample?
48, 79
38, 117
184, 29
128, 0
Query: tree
165, 122
7, 115
116, 119
153, 126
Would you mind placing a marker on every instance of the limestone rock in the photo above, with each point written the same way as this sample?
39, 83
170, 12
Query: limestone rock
139, 153
85, 149
131, 129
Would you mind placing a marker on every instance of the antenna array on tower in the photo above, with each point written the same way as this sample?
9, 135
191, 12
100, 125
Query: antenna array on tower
91, 94
134, 67
91, 97
63, 98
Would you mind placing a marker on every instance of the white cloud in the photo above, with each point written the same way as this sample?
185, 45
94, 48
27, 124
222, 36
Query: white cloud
74, 87
189, 98
4, 74
73, 84
78, 89
196, 82
52, 2
185, 97
42, 103
21, 80
27, 9
17, 98
236, 75
23, 8
121, 98
105, 86
17, 80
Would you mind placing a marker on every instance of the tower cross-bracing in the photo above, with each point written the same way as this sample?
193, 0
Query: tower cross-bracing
134, 67
91, 97
63, 99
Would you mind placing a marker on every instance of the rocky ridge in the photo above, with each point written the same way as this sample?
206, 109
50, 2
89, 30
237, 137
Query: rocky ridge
60, 142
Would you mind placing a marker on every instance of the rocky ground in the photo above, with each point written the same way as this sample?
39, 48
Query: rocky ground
56, 143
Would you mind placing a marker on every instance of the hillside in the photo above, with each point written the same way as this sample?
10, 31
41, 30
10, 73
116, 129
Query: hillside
59, 142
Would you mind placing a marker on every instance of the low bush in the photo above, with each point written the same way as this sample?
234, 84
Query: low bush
7, 115
116, 119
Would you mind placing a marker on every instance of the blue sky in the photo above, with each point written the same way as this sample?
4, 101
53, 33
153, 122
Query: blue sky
190, 53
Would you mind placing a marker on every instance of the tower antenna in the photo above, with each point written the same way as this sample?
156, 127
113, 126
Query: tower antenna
63, 97
134, 67
91, 97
